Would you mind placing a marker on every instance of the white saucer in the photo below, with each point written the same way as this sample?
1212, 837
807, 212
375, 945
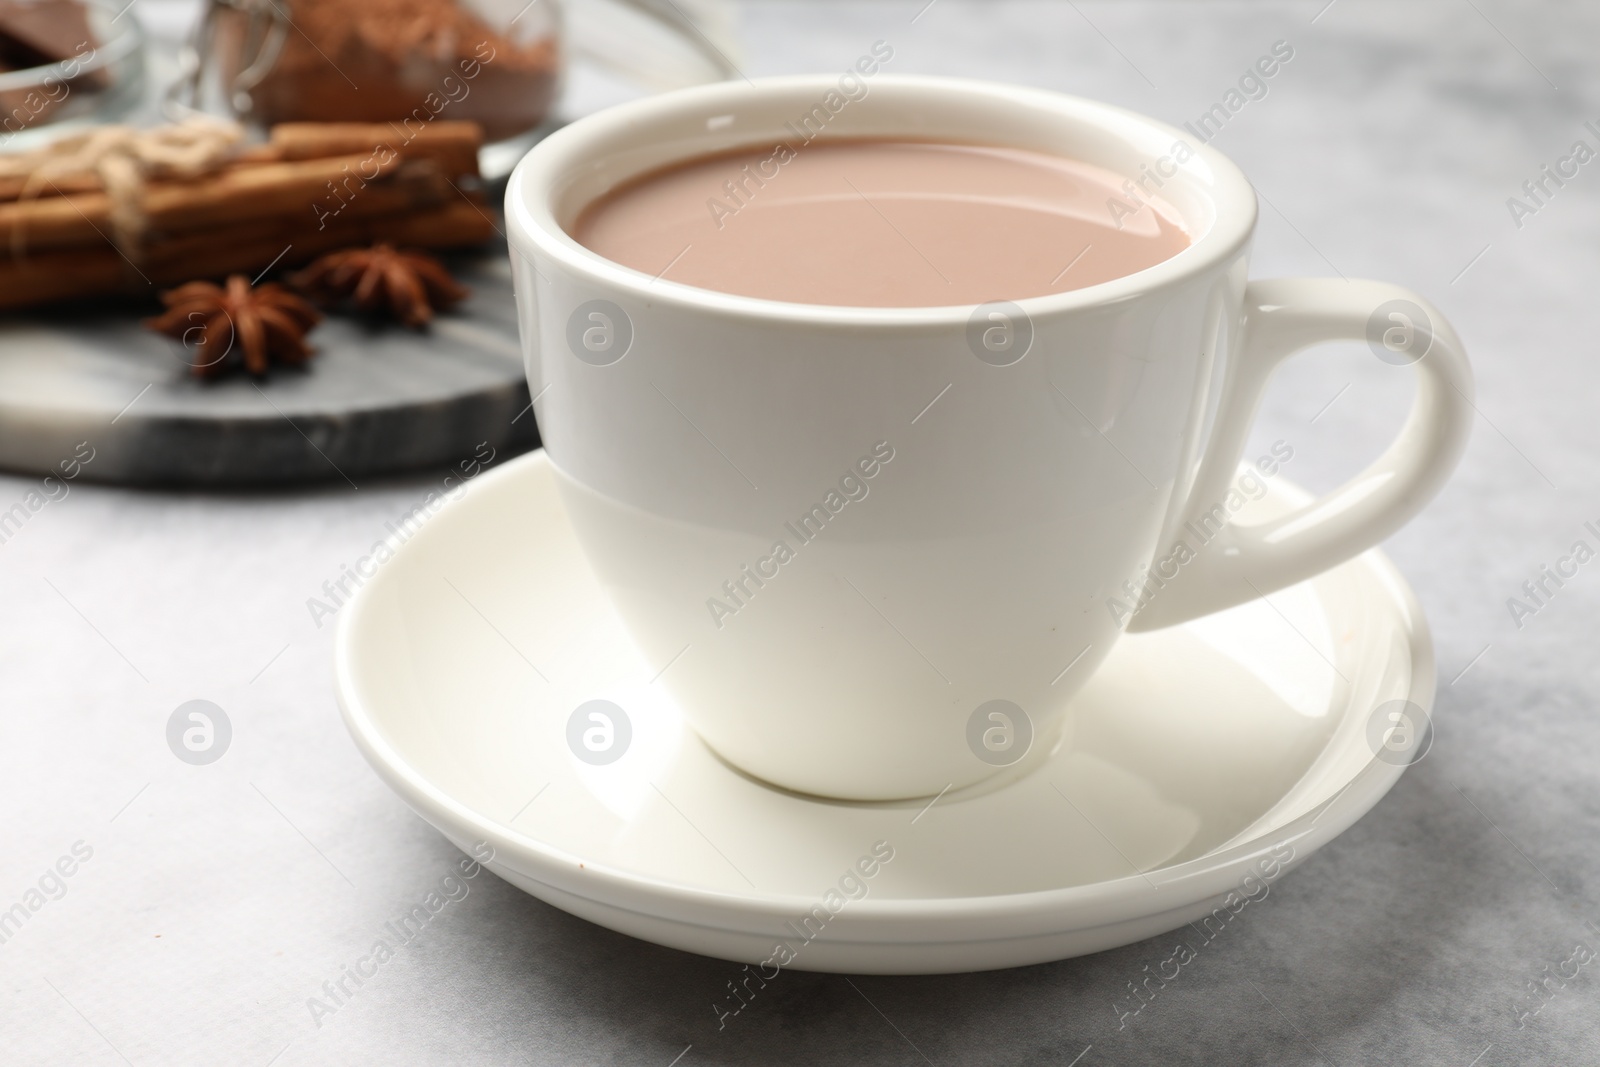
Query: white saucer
1204, 761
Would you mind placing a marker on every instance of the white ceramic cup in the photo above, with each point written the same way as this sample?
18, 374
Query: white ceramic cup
874, 551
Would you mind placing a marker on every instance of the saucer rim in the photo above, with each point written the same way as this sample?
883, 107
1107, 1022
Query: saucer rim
1092, 904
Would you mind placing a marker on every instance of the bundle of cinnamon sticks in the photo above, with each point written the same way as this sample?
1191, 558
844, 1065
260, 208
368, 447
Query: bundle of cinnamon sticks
312, 188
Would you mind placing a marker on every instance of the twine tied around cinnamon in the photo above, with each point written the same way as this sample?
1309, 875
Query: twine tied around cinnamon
122, 159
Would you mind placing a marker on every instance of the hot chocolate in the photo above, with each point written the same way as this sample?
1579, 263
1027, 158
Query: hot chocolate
882, 223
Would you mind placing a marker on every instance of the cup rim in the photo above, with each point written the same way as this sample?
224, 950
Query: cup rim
534, 231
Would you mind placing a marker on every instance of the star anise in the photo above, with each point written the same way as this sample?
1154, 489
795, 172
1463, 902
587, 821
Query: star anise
234, 323
411, 285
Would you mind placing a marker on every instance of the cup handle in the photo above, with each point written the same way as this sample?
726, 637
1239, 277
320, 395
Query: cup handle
1282, 316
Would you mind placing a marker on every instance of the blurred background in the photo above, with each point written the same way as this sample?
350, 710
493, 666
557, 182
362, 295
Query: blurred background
178, 512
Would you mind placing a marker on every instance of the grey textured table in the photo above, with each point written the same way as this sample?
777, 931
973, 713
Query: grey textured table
217, 899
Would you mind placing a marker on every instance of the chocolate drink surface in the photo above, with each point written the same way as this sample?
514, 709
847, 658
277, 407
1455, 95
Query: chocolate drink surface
881, 223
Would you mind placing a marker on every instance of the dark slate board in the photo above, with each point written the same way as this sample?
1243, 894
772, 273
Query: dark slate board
376, 399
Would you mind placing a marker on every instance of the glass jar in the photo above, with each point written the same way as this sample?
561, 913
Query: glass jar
103, 80
495, 62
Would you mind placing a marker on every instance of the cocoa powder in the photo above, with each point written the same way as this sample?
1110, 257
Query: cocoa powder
393, 60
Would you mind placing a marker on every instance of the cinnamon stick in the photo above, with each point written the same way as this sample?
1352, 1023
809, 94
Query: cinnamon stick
61, 274
102, 271
257, 192
454, 145
54, 221
454, 225
13, 186
292, 193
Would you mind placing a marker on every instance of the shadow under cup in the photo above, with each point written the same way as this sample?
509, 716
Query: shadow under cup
873, 556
